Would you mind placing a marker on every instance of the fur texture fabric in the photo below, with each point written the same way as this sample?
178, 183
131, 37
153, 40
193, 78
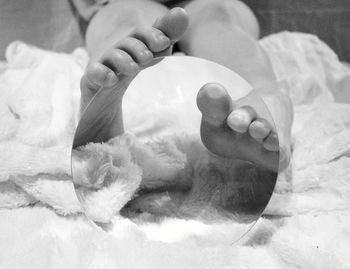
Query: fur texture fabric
306, 224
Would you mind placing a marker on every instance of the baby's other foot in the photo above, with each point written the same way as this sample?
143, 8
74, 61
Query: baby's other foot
112, 73
236, 132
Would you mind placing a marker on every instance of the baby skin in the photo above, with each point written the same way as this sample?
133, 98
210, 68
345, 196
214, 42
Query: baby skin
229, 129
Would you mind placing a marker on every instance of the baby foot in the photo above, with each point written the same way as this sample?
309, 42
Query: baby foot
236, 132
107, 79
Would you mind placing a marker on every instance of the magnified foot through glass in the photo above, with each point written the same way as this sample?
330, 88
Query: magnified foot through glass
191, 148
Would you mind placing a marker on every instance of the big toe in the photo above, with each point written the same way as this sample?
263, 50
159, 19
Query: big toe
214, 103
173, 24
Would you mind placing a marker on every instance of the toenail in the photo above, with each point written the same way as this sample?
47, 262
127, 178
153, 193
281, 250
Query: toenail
233, 119
111, 78
163, 39
134, 66
238, 122
147, 54
237, 115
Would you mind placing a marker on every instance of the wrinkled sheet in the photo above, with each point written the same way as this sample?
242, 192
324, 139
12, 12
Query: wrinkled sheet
310, 227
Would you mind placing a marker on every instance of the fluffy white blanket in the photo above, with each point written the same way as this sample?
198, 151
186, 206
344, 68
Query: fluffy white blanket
39, 225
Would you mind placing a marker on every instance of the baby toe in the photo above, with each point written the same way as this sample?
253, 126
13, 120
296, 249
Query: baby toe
137, 50
120, 62
285, 158
154, 38
173, 24
271, 142
97, 75
240, 119
259, 129
214, 103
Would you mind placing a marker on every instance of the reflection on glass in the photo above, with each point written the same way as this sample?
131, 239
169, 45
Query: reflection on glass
179, 155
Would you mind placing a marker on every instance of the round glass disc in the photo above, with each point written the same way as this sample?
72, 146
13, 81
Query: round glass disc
169, 159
